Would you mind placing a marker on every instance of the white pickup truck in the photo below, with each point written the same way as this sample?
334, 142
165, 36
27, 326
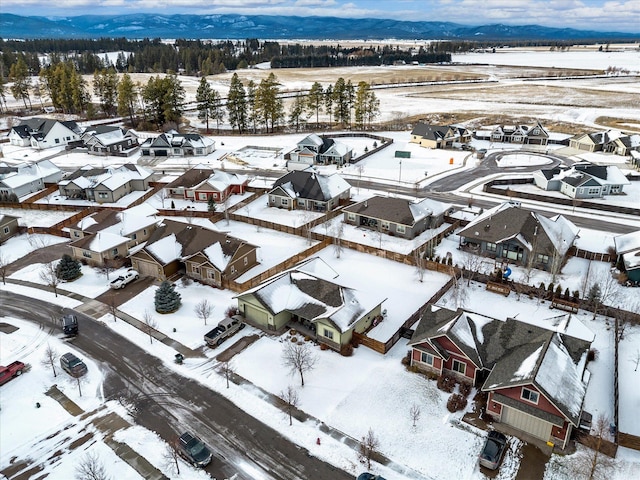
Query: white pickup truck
124, 279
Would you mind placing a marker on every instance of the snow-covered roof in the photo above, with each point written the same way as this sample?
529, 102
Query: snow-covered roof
561, 231
101, 241
627, 242
166, 249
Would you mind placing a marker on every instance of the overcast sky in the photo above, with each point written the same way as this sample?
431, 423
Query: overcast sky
612, 15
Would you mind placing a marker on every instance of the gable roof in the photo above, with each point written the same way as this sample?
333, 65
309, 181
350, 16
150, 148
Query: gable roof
100, 242
516, 352
40, 127
310, 296
398, 210
110, 177
311, 185
431, 132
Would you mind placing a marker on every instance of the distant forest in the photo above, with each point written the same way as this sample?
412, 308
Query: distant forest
201, 57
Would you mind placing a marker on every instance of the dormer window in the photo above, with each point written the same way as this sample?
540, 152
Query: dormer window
530, 395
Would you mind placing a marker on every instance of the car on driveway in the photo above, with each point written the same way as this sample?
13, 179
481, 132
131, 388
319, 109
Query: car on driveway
73, 365
123, 280
493, 450
193, 450
369, 476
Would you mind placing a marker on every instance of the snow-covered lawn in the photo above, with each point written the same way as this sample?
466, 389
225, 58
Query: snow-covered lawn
20, 245
37, 218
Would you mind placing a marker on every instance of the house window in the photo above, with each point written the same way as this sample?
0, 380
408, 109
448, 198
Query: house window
211, 274
594, 191
540, 258
328, 334
492, 247
102, 194
513, 252
233, 269
529, 395
203, 196
284, 201
199, 151
426, 358
176, 151
75, 234
246, 261
459, 367
134, 236
400, 228
536, 131
86, 254
385, 225
114, 251
144, 232
351, 216
196, 270
57, 140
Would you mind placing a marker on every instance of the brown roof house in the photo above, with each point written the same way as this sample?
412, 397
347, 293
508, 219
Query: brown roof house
202, 183
536, 378
524, 134
205, 255
309, 298
397, 216
439, 136
109, 140
518, 235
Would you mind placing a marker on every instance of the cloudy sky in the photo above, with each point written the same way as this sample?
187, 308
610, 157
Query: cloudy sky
611, 15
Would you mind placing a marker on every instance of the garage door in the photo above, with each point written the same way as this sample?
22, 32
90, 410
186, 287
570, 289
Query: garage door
146, 269
255, 314
527, 423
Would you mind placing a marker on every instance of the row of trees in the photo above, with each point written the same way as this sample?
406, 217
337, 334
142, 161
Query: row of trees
251, 107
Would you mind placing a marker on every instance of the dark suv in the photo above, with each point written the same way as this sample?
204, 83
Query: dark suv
70, 324
194, 450
73, 365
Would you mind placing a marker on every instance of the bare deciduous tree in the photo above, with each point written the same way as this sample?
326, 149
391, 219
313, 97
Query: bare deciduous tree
472, 264
636, 360
298, 357
289, 400
171, 457
203, 310
112, 306
337, 240
49, 276
150, 324
50, 358
414, 414
91, 468
4, 264
418, 256
459, 294
368, 447
228, 370
608, 292
594, 464
161, 195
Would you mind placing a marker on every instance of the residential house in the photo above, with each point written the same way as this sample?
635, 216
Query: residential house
439, 136
518, 235
523, 134
309, 299
106, 184
43, 133
309, 190
607, 141
8, 227
396, 216
100, 249
205, 255
628, 251
126, 223
536, 379
110, 140
27, 178
314, 149
582, 180
174, 144
202, 183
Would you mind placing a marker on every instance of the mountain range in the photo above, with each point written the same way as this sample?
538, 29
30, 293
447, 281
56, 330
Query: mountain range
147, 25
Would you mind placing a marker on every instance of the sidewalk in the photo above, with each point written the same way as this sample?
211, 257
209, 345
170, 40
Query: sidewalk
109, 424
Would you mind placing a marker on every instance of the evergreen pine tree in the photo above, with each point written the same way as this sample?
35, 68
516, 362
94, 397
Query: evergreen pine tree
211, 205
68, 268
167, 300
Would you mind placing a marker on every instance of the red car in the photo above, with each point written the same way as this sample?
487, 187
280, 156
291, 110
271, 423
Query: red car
11, 371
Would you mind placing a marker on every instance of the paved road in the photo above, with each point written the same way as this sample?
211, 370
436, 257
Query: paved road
169, 403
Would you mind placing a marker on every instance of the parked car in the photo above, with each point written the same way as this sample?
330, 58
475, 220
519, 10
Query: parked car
124, 279
14, 369
73, 365
193, 450
493, 450
225, 329
70, 324
369, 476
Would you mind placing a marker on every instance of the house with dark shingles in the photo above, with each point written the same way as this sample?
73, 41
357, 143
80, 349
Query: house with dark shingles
110, 140
106, 185
628, 251
308, 298
606, 141
26, 178
314, 149
207, 256
582, 180
309, 190
396, 216
536, 379
43, 133
174, 144
119, 231
521, 236
524, 134
439, 136
202, 183
8, 227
